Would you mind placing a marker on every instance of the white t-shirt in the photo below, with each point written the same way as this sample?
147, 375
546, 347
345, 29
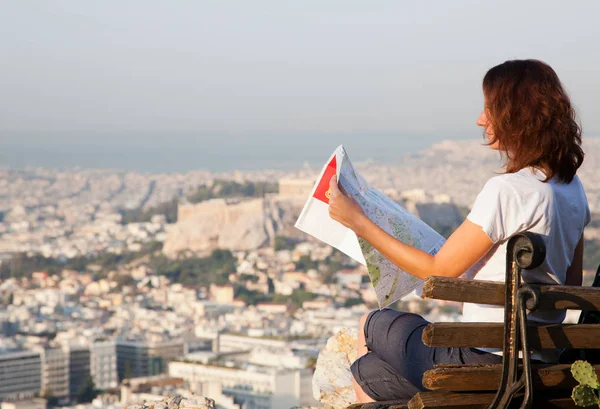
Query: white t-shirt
516, 202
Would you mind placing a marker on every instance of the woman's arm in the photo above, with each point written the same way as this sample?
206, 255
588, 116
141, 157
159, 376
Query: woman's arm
575, 270
463, 249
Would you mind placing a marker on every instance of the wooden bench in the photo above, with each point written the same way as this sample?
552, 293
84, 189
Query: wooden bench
515, 382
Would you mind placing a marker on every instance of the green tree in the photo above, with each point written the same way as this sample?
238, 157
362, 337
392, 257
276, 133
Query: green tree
331, 265
201, 194
196, 271
22, 265
328, 274
124, 280
232, 189
139, 215
306, 263
51, 400
250, 297
283, 243
297, 298
352, 301
221, 279
270, 285
153, 247
87, 391
248, 277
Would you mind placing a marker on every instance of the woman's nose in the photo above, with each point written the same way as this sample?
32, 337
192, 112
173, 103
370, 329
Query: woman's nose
482, 120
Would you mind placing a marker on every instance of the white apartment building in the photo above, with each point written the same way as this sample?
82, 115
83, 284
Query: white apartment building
280, 358
55, 371
20, 374
103, 364
257, 387
230, 343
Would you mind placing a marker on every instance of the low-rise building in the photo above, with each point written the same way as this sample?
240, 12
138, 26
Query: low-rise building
272, 307
20, 375
140, 358
254, 387
230, 343
221, 294
36, 403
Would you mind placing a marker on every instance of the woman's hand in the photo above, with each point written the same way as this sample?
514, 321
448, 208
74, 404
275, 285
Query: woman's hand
344, 209
466, 245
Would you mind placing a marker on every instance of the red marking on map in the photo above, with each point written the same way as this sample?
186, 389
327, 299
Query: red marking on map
322, 192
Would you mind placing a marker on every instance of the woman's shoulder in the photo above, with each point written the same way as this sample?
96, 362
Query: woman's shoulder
524, 182
517, 192
504, 183
528, 189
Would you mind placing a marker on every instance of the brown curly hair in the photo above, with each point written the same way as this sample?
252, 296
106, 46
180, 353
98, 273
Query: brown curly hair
532, 119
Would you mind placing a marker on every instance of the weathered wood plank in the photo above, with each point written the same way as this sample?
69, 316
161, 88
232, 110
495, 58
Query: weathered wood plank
450, 400
490, 335
392, 404
487, 377
462, 290
552, 297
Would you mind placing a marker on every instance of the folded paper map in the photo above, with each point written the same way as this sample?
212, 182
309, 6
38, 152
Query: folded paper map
390, 282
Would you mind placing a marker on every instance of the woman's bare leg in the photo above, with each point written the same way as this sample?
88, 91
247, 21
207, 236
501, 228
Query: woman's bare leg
361, 346
361, 349
361, 396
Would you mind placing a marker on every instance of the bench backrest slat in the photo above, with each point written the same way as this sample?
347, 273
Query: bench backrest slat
491, 335
552, 297
487, 377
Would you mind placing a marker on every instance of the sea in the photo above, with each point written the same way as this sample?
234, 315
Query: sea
176, 151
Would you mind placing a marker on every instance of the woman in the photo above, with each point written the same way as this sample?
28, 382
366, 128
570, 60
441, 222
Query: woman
528, 117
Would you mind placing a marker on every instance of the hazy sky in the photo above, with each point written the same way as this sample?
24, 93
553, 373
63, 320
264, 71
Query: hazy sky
262, 70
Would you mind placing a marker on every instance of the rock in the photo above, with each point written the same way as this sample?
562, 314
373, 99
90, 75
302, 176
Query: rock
197, 403
173, 402
332, 380
217, 223
231, 224
178, 402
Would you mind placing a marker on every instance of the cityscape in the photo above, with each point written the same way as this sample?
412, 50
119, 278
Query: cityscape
160, 183
121, 287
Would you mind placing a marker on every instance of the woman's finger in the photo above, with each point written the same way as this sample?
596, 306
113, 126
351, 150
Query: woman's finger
333, 185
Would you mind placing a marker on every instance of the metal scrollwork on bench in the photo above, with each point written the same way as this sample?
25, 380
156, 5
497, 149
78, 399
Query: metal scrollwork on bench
525, 251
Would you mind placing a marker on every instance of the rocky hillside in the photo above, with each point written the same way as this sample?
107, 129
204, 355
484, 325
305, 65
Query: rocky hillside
235, 224
177, 402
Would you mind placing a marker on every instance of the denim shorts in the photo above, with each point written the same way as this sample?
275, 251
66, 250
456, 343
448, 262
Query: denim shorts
397, 358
